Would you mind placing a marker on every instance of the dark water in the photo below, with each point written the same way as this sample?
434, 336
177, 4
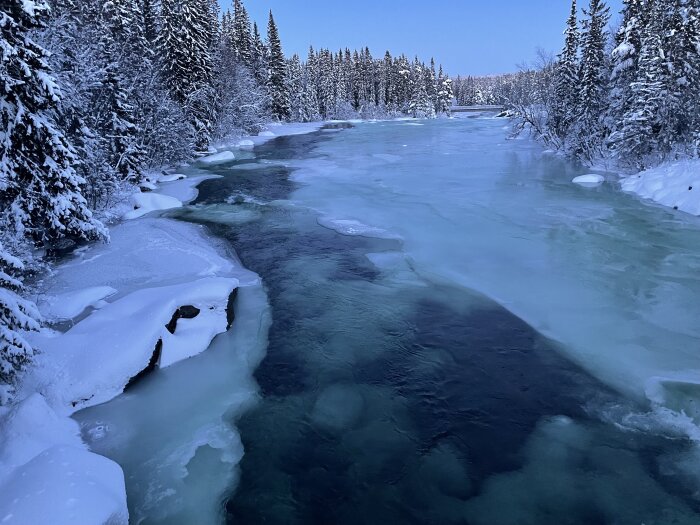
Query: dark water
387, 398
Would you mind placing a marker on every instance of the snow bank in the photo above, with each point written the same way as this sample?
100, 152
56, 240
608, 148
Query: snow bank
674, 184
96, 359
591, 179
218, 158
148, 202
71, 304
47, 475
171, 178
185, 190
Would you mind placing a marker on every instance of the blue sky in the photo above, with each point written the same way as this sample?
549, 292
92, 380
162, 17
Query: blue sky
467, 36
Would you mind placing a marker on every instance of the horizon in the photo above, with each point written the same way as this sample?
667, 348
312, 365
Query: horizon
462, 43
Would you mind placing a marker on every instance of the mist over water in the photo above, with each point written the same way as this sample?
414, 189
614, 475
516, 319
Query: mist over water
457, 334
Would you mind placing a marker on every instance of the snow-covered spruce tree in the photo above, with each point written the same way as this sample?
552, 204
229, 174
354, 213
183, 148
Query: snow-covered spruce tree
588, 130
445, 93
17, 315
420, 105
640, 136
682, 69
122, 37
150, 20
259, 57
277, 67
241, 34
567, 77
625, 59
186, 62
40, 192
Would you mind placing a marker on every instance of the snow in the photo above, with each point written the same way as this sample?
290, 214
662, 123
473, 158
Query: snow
218, 158
673, 184
266, 134
171, 178
71, 371
65, 486
185, 190
145, 203
355, 227
47, 475
589, 180
246, 143
71, 304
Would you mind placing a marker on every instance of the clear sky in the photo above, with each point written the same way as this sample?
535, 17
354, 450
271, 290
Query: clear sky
468, 36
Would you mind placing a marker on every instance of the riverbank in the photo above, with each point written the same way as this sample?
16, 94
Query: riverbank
159, 293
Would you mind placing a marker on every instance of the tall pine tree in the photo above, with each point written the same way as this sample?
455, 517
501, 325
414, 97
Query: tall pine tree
40, 192
277, 73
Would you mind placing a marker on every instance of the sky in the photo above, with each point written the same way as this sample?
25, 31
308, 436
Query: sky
469, 37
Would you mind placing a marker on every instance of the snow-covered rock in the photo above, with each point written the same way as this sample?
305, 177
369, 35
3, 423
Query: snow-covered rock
145, 203
47, 475
674, 184
93, 361
218, 158
589, 180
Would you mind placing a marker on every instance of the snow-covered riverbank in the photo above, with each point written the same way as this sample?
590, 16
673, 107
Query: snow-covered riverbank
673, 184
158, 293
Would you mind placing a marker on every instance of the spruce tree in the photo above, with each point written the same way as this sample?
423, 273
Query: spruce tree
259, 57
277, 68
589, 132
186, 61
39, 189
567, 79
17, 315
642, 124
242, 38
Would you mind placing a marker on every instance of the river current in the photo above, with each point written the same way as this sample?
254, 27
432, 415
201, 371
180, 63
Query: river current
447, 331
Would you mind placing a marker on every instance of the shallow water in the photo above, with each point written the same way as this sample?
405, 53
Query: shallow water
458, 335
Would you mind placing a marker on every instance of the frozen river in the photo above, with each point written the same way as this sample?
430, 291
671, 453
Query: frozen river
454, 333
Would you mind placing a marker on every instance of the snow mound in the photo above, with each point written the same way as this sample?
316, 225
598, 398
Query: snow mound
245, 144
674, 184
171, 178
48, 476
185, 190
591, 179
71, 304
145, 203
218, 158
266, 134
65, 486
93, 361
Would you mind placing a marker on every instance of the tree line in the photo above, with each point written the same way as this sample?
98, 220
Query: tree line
95, 93
630, 95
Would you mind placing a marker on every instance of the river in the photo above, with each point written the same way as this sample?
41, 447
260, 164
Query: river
449, 331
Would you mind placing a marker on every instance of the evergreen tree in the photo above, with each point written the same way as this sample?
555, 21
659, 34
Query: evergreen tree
17, 316
594, 76
259, 57
420, 104
277, 67
567, 79
242, 38
186, 61
642, 124
445, 93
40, 190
